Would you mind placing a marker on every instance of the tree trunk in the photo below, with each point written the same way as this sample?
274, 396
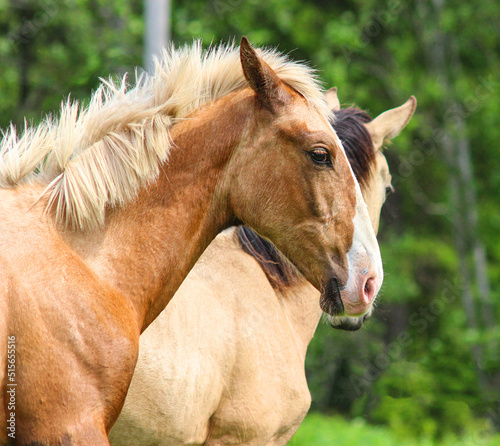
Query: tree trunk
156, 29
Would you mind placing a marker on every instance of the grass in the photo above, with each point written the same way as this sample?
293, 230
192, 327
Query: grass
321, 430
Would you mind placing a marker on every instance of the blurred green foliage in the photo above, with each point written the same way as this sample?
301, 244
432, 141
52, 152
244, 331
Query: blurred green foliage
412, 367
321, 430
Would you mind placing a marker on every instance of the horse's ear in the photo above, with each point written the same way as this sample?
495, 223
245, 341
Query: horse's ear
387, 125
261, 76
332, 99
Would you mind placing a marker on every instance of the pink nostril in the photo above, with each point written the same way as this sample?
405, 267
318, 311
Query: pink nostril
369, 290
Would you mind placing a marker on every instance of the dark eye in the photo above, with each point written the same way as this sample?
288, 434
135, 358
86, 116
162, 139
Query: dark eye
321, 156
389, 190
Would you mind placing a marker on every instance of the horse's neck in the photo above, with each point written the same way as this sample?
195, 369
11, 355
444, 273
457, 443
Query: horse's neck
149, 245
300, 303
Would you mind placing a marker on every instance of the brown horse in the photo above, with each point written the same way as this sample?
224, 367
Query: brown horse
104, 212
224, 363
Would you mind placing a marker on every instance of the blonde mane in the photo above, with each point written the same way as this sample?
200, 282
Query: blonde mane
100, 155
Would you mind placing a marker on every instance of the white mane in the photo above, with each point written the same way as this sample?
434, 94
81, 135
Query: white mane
99, 155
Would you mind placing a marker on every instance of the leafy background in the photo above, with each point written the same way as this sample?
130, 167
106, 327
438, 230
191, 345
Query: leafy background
425, 369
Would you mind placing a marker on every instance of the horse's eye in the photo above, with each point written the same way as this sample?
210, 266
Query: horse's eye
321, 156
389, 190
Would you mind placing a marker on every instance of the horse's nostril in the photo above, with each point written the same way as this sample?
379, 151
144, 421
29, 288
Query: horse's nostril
369, 289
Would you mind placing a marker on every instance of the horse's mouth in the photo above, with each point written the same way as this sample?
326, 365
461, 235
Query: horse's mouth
347, 323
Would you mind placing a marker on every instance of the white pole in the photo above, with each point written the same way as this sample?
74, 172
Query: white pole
156, 29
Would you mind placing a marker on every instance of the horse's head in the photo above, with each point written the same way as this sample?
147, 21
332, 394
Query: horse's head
291, 181
363, 142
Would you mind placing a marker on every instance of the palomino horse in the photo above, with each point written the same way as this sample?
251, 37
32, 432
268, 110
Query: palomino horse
224, 363
104, 212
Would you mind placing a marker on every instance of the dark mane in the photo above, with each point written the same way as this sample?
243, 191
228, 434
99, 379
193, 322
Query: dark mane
358, 146
357, 142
